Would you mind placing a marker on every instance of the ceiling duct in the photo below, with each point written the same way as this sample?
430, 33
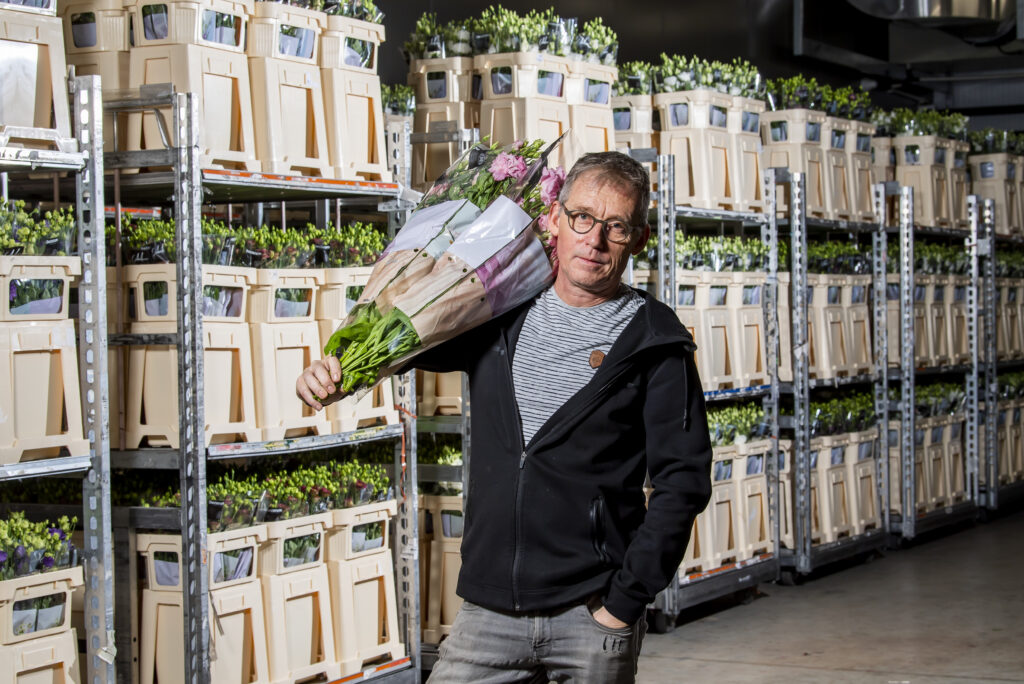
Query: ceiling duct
979, 22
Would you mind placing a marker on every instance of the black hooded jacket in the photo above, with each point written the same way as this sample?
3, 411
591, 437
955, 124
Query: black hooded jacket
562, 518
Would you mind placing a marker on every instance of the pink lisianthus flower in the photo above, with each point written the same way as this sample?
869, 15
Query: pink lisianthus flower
507, 165
551, 184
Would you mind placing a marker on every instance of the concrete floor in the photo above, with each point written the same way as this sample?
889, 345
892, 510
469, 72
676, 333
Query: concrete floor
950, 610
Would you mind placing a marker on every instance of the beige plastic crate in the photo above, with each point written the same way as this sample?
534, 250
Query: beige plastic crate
40, 398
1017, 454
444, 80
637, 120
362, 588
883, 169
42, 661
955, 460
827, 326
725, 522
704, 308
352, 99
785, 300
1018, 285
994, 176
1019, 165
430, 160
1008, 438
838, 138
296, 599
819, 526
281, 351
922, 340
267, 306
862, 481
178, 42
523, 75
38, 97
594, 126
835, 488
506, 120
744, 123
588, 90
98, 45
159, 281
921, 164
38, 270
1008, 318
937, 290
438, 394
935, 444
358, 119
29, 587
151, 396
694, 127
860, 344
755, 519
959, 183
445, 563
697, 558
862, 175
794, 139
287, 91
786, 497
745, 298
956, 314
238, 653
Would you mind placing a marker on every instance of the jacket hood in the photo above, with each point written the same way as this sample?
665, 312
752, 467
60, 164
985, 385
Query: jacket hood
663, 325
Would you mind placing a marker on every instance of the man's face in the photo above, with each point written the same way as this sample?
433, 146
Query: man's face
590, 266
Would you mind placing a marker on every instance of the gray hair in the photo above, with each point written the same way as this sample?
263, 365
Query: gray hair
617, 166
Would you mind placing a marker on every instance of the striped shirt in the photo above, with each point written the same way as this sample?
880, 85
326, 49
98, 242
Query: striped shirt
552, 359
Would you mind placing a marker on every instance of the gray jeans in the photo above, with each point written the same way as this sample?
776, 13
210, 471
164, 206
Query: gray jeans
564, 645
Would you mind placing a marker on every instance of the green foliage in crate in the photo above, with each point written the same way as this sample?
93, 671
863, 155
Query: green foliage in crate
635, 78
695, 253
1011, 385
993, 140
846, 103
398, 99
353, 244
939, 399
905, 121
795, 92
365, 10
736, 424
29, 547
498, 29
834, 256
28, 232
1009, 263
679, 73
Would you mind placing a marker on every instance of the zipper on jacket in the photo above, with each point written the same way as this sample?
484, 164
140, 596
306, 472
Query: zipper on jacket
519, 481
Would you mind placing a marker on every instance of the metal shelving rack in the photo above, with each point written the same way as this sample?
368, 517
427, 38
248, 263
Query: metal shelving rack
806, 556
189, 187
979, 374
87, 167
744, 575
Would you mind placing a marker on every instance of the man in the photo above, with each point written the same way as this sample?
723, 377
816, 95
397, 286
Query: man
576, 396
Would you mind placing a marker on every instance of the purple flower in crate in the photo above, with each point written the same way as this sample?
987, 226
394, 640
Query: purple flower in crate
19, 551
47, 562
14, 291
3, 556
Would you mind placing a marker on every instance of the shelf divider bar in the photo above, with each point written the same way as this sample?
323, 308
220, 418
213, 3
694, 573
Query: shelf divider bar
192, 457
92, 359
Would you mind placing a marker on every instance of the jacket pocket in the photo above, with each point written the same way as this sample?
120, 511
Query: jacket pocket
597, 529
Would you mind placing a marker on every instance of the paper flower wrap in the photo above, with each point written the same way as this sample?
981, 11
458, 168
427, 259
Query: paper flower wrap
470, 252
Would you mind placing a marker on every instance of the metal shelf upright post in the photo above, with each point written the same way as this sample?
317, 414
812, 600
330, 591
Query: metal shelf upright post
984, 350
880, 322
908, 496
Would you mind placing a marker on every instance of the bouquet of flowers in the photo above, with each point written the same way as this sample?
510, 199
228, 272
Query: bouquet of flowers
471, 251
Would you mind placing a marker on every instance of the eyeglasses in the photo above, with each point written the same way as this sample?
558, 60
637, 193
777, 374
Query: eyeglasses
582, 223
